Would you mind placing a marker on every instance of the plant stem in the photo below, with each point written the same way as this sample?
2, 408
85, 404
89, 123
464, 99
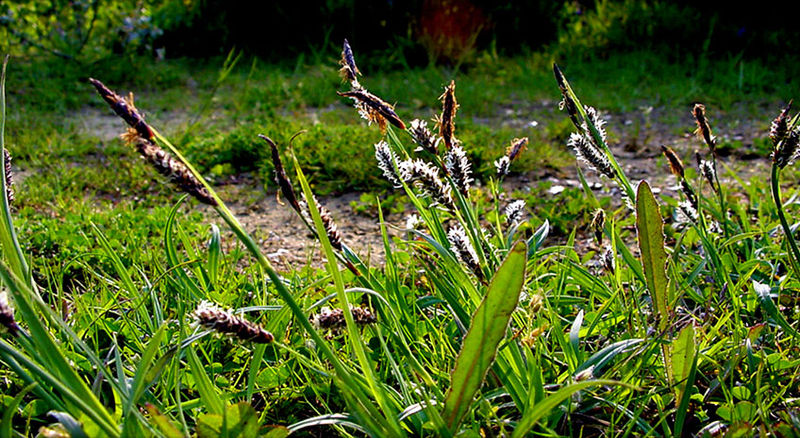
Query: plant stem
776, 196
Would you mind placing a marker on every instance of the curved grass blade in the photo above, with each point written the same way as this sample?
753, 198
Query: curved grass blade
487, 330
535, 412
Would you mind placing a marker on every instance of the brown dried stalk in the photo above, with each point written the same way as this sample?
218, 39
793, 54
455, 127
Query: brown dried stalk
124, 108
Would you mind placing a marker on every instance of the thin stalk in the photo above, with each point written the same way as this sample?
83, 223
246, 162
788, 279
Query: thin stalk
776, 196
342, 373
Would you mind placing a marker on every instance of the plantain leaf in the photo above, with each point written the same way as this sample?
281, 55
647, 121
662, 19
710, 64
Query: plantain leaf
683, 350
487, 330
650, 230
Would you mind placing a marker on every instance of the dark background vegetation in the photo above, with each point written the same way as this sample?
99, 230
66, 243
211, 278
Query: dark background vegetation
409, 33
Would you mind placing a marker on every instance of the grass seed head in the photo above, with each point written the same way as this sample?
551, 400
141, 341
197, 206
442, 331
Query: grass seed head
447, 121
608, 260
427, 179
349, 71
328, 319
459, 167
780, 126
124, 108
518, 146
280, 175
7, 321
703, 128
331, 230
599, 124
224, 322
502, 164
786, 150
9, 176
166, 165
423, 137
587, 152
464, 250
706, 169
566, 101
691, 196
373, 109
598, 224
675, 163
387, 160
687, 212
514, 211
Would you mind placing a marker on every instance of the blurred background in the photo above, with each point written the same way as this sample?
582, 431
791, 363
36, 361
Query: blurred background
407, 33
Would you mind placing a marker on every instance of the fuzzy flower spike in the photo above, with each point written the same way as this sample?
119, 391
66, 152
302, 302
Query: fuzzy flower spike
224, 322
503, 164
783, 139
7, 321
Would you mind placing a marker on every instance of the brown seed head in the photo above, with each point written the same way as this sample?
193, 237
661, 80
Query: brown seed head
780, 126
349, 71
675, 163
331, 230
124, 108
165, 164
566, 101
447, 124
212, 317
518, 145
598, 224
703, 129
373, 108
328, 319
280, 175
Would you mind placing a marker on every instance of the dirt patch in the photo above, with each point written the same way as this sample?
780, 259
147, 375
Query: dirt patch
636, 138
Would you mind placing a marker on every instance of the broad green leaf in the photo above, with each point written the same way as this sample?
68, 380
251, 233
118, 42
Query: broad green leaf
487, 330
683, 351
650, 230
239, 420
163, 423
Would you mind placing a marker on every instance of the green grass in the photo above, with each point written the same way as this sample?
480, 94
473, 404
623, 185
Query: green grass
118, 264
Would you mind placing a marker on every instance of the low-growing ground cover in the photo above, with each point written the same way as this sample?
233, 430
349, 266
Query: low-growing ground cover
585, 326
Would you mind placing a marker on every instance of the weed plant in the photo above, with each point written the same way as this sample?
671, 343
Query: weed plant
473, 326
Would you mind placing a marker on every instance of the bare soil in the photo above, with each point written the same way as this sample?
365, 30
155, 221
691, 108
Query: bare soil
636, 139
